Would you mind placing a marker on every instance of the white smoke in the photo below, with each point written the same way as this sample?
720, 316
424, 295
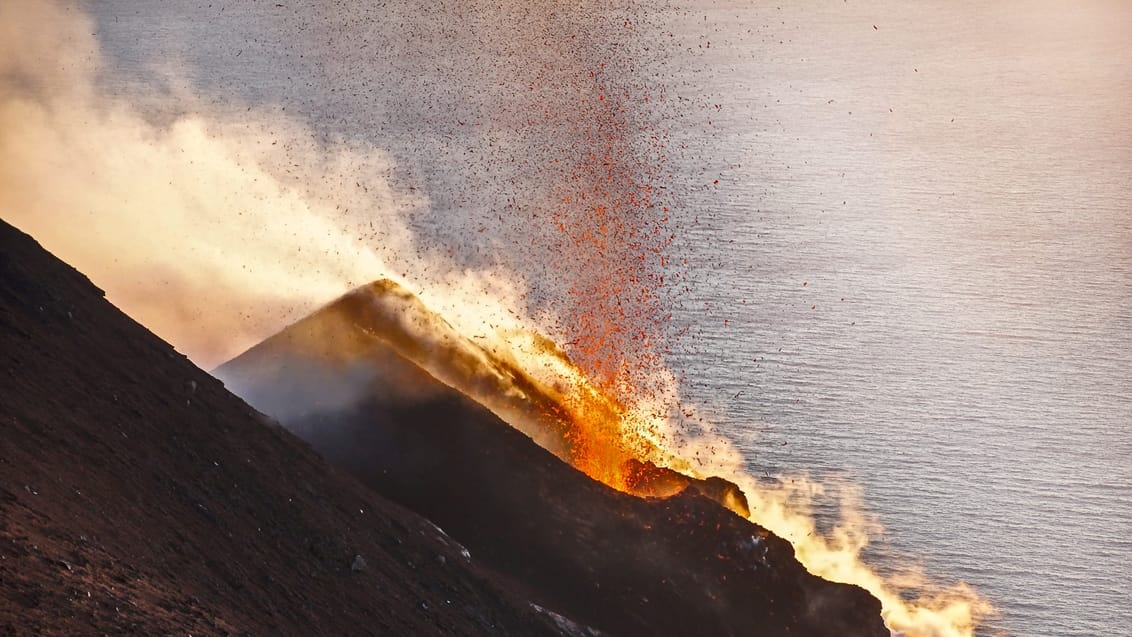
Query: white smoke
213, 230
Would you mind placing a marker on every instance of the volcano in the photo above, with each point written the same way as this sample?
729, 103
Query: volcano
388, 392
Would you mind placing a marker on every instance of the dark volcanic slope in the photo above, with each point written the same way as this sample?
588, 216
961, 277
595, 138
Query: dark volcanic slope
138, 496
628, 566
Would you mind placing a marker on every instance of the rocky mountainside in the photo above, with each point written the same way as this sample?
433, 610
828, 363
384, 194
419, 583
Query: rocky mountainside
137, 495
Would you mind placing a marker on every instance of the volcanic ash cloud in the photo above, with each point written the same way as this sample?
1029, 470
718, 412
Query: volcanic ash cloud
213, 229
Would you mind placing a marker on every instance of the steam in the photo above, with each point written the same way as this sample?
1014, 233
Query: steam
204, 228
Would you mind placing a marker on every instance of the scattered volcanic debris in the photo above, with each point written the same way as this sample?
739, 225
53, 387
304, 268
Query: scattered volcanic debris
539, 134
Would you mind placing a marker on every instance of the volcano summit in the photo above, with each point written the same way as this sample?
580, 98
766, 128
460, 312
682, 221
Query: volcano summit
361, 381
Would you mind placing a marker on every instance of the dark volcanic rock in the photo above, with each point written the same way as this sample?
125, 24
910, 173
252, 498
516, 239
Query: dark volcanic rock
683, 565
138, 496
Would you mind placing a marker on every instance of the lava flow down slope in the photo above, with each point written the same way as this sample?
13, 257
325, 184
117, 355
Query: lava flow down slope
387, 390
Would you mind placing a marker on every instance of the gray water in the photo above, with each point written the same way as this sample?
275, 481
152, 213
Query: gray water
914, 272
953, 192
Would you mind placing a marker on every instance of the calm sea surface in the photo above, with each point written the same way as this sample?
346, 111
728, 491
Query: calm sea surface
914, 272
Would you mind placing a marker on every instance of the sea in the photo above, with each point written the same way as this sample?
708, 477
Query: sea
904, 229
